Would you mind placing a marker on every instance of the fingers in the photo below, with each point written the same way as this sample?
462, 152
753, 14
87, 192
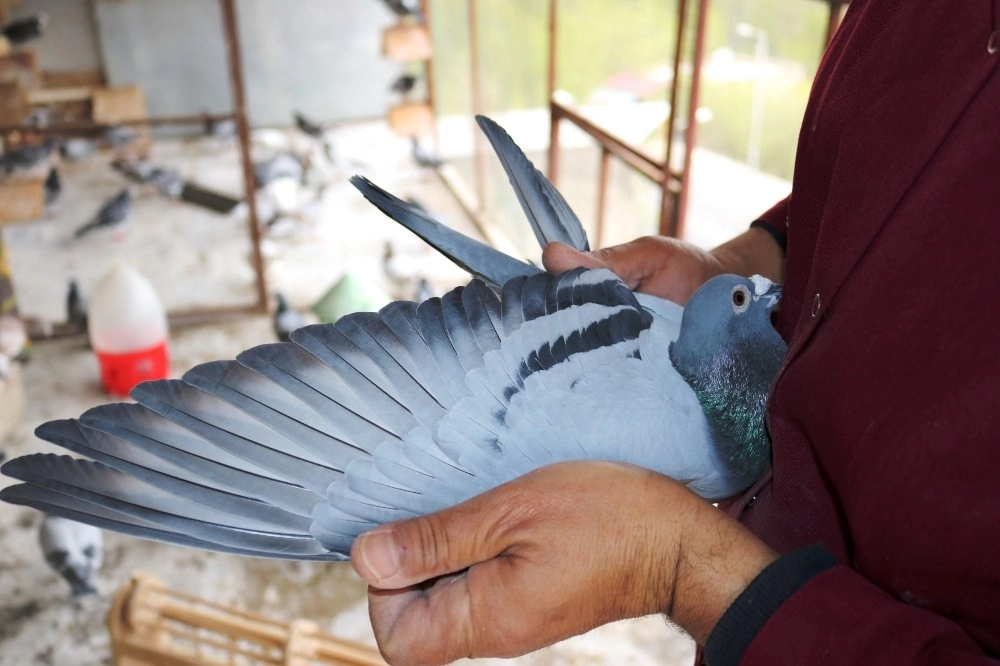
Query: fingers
401, 554
559, 258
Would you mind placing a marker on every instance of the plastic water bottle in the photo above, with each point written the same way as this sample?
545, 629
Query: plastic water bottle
128, 330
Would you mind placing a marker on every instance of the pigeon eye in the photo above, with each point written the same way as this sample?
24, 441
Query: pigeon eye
741, 299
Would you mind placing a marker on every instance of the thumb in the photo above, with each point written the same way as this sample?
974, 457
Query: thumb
407, 552
559, 258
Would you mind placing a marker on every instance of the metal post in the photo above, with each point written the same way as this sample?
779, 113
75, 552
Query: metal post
690, 132
479, 149
553, 114
668, 200
243, 135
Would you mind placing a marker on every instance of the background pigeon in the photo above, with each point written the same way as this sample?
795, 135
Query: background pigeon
113, 213
25, 30
27, 157
405, 8
285, 318
423, 156
294, 449
404, 84
76, 308
52, 186
74, 550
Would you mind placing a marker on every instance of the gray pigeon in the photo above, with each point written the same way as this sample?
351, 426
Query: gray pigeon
293, 449
27, 157
113, 213
282, 165
75, 550
285, 319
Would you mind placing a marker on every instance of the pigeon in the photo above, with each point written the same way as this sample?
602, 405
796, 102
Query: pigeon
423, 156
77, 149
52, 186
112, 214
119, 136
76, 308
74, 550
404, 84
282, 165
316, 131
285, 319
220, 128
405, 8
27, 157
294, 449
25, 30
309, 127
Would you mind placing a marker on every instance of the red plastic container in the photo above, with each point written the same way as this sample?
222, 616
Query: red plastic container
128, 330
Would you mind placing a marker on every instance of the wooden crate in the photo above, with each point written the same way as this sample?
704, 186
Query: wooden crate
415, 119
406, 42
21, 199
14, 105
115, 105
21, 66
151, 625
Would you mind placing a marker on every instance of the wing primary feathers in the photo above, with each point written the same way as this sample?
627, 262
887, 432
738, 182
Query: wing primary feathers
478, 258
550, 216
57, 504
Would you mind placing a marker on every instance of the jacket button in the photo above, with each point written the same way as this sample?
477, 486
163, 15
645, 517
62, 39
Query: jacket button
816, 305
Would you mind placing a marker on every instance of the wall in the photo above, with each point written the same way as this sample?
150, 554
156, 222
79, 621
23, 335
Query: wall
70, 42
318, 56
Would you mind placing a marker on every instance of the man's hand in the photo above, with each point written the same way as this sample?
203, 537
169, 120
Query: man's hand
670, 268
551, 555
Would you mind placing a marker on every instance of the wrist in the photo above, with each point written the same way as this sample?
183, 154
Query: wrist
718, 559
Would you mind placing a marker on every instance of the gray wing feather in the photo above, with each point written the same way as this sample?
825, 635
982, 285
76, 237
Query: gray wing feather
474, 256
550, 216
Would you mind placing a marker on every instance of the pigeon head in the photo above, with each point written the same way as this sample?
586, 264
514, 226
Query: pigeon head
729, 353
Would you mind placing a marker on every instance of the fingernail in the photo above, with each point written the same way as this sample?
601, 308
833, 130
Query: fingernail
378, 554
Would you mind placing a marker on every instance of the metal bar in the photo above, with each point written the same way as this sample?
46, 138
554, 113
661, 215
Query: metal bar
631, 155
243, 136
479, 148
83, 125
690, 132
553, 144
602, 195
553, 119
668, 201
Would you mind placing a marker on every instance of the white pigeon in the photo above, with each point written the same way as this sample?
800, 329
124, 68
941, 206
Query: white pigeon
75, 550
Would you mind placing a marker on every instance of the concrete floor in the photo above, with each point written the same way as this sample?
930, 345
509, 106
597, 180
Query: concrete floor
195, 259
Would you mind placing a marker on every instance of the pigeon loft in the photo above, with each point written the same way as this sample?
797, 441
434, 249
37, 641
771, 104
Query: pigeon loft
406, 42
151, 625
412, 119
21, 200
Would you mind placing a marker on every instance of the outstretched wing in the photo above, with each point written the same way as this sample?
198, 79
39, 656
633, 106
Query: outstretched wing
550, 216
294, 449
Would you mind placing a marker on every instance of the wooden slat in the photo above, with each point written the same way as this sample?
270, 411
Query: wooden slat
21, 200
60, 95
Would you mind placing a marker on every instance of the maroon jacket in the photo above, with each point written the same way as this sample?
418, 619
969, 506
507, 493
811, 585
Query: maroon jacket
885, 417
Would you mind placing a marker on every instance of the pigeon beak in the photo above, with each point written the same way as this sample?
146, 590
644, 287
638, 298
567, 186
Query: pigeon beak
772, 296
